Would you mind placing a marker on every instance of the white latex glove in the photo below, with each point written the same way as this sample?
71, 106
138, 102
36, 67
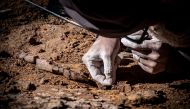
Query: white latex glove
151, 54
101, 60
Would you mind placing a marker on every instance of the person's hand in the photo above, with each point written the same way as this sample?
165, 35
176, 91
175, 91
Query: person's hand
152, 55
101, 60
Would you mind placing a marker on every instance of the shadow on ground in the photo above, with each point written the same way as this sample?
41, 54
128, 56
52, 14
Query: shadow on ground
134, 74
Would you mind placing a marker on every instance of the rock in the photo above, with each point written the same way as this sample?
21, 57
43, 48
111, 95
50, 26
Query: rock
67, 73
134, 98
83, 106
29, 59
37, 98
96, 104
149, 94
44, 81
55, 70
72, 104
61, 70
146, 97
22, 55
43, 65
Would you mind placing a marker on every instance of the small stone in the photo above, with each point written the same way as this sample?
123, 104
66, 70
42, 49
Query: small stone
43, 65
67, 74
22, 55
73, 104
44, 81
61, 70
55, 70
31, 59
36, 98
83, 106
74, 75
96, 104
134, 97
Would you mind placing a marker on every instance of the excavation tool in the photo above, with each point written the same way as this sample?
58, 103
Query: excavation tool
53, 13
5, 11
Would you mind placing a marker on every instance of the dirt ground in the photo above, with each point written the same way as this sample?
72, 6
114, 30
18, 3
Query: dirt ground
26, 29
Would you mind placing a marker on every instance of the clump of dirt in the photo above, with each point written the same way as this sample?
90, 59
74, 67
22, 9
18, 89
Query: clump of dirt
25, 29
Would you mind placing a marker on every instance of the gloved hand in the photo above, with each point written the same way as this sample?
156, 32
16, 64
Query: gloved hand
152, 55
101, 60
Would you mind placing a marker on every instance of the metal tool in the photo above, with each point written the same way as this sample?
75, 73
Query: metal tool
143, 37
53, 13
5, 10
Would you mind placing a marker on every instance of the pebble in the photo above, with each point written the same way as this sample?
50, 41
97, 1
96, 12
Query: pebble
67, 73
44, 81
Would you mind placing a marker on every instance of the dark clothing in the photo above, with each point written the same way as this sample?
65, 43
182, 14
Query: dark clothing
113, 18
125, 17
118, 18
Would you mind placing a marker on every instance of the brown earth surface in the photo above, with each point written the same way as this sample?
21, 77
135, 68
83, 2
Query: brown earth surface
26, 29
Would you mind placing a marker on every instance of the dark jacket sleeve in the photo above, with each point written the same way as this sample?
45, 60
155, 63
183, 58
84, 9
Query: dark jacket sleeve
113, 18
